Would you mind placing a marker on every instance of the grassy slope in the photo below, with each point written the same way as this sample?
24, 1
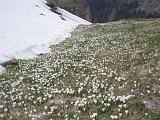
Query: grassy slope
108, 69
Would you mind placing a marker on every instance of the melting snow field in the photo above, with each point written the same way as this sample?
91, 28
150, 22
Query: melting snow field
28, 27
2, 70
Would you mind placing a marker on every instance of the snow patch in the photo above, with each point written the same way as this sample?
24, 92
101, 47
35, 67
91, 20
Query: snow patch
2, 70
27, 30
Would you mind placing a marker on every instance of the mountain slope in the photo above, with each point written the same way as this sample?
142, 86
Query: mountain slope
77, 7
103, 71
111, 10
27, 28
102, 10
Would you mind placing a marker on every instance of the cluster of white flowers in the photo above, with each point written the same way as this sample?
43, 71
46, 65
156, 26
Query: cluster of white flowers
81, 103
93, 116
114, 117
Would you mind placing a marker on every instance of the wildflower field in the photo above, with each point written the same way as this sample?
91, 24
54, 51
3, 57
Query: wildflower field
102, 72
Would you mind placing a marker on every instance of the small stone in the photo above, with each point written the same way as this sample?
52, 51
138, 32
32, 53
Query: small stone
150, 104
41, 119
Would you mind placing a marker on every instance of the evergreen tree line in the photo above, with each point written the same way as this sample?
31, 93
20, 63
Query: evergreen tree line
112, 10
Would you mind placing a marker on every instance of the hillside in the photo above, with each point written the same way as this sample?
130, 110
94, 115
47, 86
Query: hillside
77, 7
27, 28
111, 10
103, 71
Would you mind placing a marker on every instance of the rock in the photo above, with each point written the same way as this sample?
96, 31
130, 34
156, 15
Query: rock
10, 63
41, 118
150, 104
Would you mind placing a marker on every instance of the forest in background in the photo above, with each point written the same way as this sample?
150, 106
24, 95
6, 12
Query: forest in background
110, 10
